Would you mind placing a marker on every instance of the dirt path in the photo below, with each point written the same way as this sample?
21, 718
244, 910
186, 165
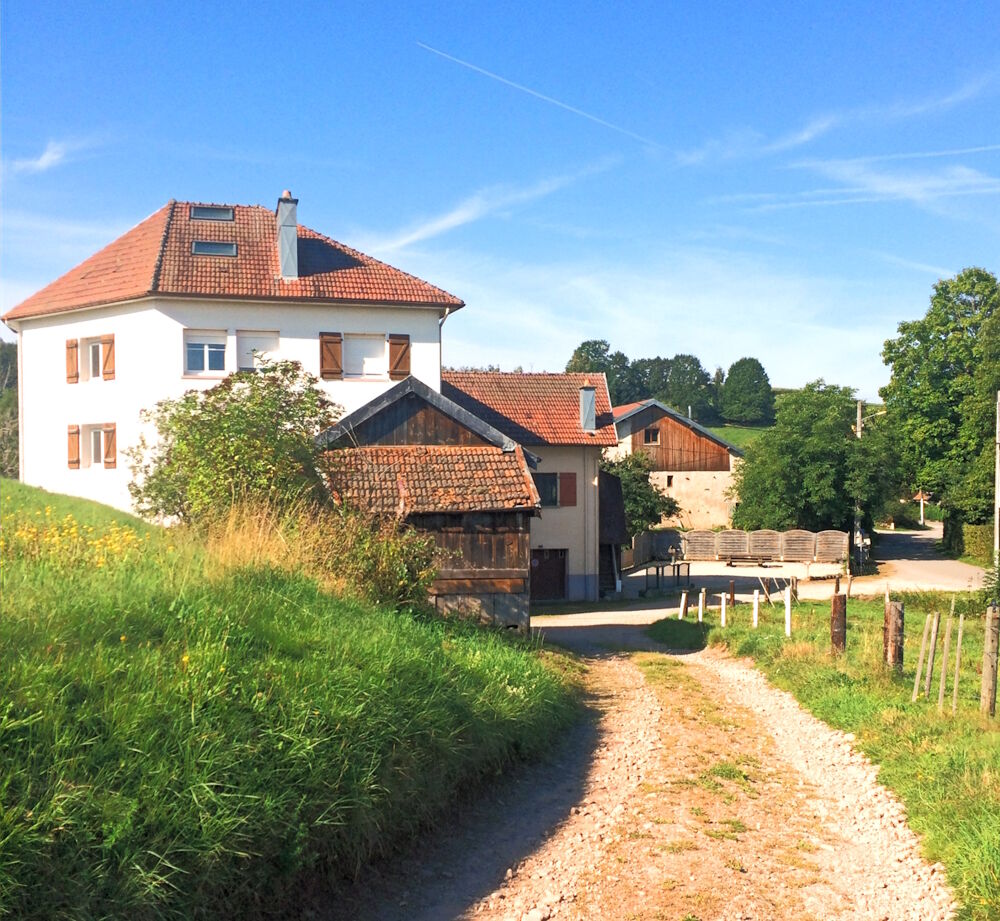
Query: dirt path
699, 791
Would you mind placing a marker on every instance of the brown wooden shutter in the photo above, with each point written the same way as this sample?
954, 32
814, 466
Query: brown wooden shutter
110, 445
72, 361
108, 357
73, 450
331, 356
399, 356
567, 489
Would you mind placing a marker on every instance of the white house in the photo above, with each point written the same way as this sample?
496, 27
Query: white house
186, 297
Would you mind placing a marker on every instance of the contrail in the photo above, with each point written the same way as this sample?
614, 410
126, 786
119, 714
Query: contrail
542, 96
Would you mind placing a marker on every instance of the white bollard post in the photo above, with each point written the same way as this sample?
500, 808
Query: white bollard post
788, 611
701, 606
756, 606
722, 609
683, 606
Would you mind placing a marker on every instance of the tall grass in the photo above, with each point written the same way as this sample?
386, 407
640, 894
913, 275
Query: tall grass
945, 768
193, 736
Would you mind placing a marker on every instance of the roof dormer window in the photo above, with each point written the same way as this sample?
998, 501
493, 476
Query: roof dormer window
211, 213
212, 248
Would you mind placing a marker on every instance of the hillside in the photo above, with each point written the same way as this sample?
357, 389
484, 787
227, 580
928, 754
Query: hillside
182, 738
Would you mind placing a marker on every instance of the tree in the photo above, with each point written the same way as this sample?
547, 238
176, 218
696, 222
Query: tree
249, 438
689, 386
624, 385
809, 469
942, 392
645, 505
8, 410
747, 394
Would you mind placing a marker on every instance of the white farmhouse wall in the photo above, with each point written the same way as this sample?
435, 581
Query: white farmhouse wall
149, 366
701, 494
576, 528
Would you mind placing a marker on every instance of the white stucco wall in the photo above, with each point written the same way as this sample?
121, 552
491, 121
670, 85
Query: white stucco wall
149, 366
576, 528
701, 494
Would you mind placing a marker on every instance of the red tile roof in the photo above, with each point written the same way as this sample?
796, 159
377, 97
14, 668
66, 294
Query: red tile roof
625, 409
427, 479
533, 409
155, 257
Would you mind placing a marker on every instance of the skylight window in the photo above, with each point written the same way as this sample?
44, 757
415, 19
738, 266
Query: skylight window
211, 213
212, 248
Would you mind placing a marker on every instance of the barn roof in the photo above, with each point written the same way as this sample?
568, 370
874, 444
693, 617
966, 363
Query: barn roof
533, 409
156, 258
634, 416
399, 481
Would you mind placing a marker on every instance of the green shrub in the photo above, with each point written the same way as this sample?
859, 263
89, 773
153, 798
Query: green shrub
189, 737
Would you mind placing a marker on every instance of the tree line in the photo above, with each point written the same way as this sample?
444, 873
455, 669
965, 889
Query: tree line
741, 395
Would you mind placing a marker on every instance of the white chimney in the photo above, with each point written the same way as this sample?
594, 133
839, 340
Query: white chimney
288, 235
588, 407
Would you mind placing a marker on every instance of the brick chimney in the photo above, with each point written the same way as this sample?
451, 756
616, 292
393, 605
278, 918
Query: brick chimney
588, 407
288, 235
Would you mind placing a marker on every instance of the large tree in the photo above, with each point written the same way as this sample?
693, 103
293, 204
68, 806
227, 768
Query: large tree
624, 384
8, 410
746, 393
689, 387
941, 396
645, 505
810, 469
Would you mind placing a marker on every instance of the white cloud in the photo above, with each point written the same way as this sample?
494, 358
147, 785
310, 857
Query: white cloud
56, 153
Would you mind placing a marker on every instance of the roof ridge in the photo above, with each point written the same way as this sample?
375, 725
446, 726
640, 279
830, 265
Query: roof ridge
158, 265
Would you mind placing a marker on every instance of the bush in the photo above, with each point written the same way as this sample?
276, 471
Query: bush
645, 505
248, 439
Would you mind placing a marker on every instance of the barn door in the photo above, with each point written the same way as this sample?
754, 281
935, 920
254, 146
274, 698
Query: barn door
548, 575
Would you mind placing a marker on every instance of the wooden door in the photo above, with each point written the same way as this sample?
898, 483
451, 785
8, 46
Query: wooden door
548, 575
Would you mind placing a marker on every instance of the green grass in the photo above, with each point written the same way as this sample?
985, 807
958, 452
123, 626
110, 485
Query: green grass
175, 744
945, 769
738, 435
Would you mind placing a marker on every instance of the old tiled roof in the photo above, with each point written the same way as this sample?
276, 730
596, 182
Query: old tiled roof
625, 409
533, 409
425, 479
155, 258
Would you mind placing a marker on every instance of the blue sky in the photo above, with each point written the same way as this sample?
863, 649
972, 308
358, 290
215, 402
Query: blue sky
783, 180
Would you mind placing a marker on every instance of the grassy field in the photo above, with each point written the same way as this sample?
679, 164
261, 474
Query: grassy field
180, 739
738, 435
945, 769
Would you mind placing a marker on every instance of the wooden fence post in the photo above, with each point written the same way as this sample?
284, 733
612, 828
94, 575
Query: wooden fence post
795, 589
701, 605
788, 611
958, 659
943, 686
931, 652
988, 691
756, 607
838, 623
683, 607
892, 635
920, 661
732, 593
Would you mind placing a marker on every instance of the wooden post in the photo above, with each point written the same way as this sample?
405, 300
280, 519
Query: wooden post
988, 691
850, 582
931, 651
838, 623
943, 686
722, 609
732, 593
892, 635
788, 611
958, 659
683, 608
756, 607
920, 661
701, 606
836, 585
795, 589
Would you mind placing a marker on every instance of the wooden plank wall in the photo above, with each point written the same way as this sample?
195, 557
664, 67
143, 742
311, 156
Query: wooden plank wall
681, 448
411, 421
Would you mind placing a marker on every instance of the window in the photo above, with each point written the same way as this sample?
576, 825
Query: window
204, 352
364, 356
251, 346
99, 444
212, 248
94, 351
651, 436
96, 447
670, 480
547, 485
210, 213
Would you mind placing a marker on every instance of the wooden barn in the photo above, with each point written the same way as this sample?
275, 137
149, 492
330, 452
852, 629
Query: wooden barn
690, 463
413, 455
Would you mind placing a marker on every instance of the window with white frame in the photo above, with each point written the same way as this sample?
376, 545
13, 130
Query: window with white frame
252, 346
204, 352
365, 356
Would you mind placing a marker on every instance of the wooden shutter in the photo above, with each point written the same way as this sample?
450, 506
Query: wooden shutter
72, 361
331, 356
73, 450
108, 357
567, 489
110, 445
399, 356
